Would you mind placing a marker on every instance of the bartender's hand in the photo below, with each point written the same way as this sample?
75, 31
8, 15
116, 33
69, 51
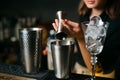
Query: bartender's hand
73, 29
45, 51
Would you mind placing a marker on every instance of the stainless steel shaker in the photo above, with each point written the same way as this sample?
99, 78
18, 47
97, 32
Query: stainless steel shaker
62, 52
31, 48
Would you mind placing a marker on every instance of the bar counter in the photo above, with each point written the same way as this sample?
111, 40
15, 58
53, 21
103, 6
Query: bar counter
16, 72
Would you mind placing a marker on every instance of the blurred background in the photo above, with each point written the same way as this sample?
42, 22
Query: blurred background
45, 9
17, 14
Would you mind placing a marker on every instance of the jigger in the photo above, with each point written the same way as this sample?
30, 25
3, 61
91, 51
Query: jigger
62, 52
60, 31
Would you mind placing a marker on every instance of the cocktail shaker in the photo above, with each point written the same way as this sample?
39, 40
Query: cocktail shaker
31, 48
62, 53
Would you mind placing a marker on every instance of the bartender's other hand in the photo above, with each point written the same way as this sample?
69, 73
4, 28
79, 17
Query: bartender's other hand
45, 51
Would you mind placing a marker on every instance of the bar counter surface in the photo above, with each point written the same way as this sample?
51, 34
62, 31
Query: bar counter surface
16, 72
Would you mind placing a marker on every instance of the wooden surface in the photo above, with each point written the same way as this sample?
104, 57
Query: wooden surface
5, 76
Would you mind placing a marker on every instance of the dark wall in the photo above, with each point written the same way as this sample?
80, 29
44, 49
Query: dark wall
46, 9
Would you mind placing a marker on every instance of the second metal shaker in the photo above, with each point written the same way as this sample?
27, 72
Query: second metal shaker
31, 49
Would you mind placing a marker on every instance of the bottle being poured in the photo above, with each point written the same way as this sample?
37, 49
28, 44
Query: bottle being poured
61, 35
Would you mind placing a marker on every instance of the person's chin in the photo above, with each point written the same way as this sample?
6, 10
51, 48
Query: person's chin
91, 6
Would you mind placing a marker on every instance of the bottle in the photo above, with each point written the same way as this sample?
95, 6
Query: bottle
51, 38
17, 27
1, 31
60, 31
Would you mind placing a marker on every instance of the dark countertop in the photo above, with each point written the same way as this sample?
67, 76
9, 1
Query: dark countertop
18, 71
